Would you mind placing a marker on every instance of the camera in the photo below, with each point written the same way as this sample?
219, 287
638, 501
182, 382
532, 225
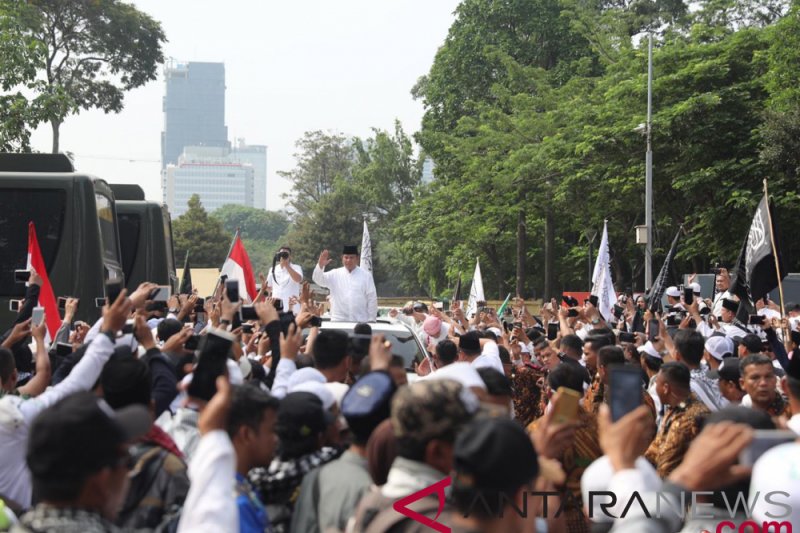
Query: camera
282, 255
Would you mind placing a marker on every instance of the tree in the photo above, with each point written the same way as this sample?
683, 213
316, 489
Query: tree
203, 235
88, 53
261, 231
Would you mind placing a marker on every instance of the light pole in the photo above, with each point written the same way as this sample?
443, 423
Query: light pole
648, 179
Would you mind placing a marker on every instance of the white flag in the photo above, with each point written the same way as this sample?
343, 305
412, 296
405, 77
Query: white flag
366, 250
602, 284
475, 291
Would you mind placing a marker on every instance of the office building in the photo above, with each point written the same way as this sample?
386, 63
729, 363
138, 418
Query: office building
194, 108
256, 155
214, 173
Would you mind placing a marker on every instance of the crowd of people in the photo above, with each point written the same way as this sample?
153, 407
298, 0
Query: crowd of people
512, 421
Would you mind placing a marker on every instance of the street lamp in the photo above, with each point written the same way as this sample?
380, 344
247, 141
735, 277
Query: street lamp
646, 130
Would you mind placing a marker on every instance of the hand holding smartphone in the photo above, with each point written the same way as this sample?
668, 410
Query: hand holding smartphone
211, 363
565, 408
625, 390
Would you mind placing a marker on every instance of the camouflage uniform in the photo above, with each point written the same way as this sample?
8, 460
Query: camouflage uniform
680, 426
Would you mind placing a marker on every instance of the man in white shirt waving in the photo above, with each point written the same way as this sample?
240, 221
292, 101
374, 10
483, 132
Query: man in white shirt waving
353, 296
284, 279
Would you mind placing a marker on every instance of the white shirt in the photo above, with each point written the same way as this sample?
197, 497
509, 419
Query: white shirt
716, 309
17, 415
285, 287
489, 357
353, 295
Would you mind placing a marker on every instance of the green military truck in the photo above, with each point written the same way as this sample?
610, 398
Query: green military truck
76, 226
145, 236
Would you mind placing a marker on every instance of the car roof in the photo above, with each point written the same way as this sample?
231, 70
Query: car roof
382, 325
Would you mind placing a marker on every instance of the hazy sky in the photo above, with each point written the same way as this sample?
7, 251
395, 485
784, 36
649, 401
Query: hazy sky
290, 66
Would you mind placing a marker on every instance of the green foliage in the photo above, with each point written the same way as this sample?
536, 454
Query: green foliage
202, 234
338, 182
261, 231
72, 55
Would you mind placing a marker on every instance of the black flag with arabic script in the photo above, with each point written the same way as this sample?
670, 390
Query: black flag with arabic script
660, 285
186, 277
759, 264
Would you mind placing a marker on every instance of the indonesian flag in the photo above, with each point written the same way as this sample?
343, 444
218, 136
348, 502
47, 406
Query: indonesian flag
46, 297
237, 266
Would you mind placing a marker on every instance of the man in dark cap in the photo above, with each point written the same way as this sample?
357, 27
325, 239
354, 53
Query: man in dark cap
494, 468
330, 494
79, 461
426, 417
353, 295
302, 424
729, 325
727, 374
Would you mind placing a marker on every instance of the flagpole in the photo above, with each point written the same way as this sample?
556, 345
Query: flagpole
775, 255
230, 249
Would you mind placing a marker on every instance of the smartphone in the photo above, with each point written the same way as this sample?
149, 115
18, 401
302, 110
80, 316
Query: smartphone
593, 300
248, 312
113, 288
192, 342
756, 320
63, 348
200, 305
572, 312
566, 408
652, 330
37, 316
552, 332
625, 336
278, 303
160, 293
618, 310
688, 295
128, 327
673, 320
247, 328
211, 363
99, 302
62, 303
14, 305
763, 440
315, 322
625, 390
232, 290
22, 276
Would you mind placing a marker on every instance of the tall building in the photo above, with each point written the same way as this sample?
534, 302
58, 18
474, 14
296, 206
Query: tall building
256, 155
194, 108
427, 170
214, 173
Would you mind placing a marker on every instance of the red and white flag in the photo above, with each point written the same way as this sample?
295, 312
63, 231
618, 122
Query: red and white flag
46, 297
237, 266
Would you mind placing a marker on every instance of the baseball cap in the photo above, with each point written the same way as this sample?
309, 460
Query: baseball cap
719, 347
368, 403
81, 435
696, 289
432, 409
751, 341
493, 453
301, 414
673, 291
728, 370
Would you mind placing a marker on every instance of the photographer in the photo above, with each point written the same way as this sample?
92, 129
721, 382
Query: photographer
284, 279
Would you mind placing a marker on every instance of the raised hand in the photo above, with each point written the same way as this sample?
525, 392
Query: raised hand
324, 259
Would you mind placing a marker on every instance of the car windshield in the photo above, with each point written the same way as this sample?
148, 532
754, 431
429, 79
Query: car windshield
404, 343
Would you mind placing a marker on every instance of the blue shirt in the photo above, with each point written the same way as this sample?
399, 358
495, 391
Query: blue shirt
252, 514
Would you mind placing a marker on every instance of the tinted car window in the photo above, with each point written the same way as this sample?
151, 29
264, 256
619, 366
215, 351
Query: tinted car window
129, 228
46, 209
105, 216
404, 343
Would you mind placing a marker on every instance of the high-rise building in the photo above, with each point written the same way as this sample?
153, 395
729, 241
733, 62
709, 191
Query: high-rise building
256, 155
194, 108
427, 170
213, 173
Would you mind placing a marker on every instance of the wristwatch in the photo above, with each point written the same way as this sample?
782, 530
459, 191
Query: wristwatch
595, 321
